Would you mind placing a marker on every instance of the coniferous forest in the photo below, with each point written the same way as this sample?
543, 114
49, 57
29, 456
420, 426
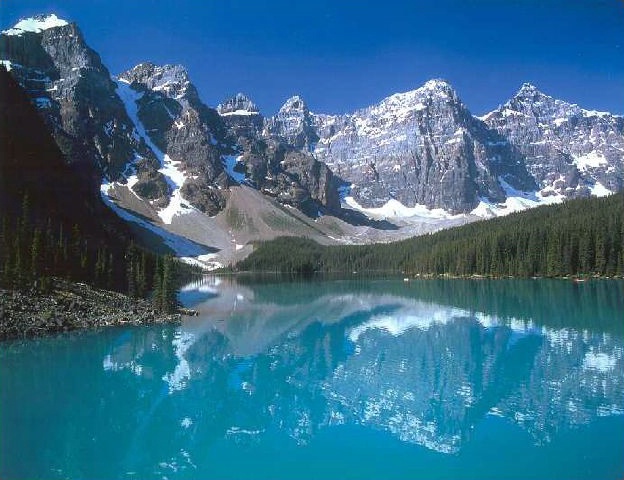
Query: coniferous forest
579, 237
33, 252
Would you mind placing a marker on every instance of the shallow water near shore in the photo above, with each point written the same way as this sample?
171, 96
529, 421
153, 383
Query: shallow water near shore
358, 378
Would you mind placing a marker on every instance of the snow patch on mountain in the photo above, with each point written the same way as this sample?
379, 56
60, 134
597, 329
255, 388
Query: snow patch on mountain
130, 97
238, 112
240, 104
181, 246
599, 190
516, 201
174, 176
395, 209
177, 204
596, 113
36, 24
592, 159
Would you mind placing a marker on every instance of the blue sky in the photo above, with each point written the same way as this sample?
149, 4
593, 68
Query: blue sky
344, 55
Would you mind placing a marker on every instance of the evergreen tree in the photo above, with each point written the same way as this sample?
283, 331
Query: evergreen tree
168, 291
157, 291
553, 257
36, 267
600, 261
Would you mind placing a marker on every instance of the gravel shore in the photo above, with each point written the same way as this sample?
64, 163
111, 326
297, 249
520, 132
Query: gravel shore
71, 306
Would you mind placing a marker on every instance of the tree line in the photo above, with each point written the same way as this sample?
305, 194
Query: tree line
33, 252
578, 237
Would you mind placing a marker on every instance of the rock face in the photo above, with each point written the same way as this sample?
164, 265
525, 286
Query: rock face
279, 166
148, 128
74, 92
31, 163
292, 176
425, 147
419, 147
184, 134
568, 150
241, 116
294, 124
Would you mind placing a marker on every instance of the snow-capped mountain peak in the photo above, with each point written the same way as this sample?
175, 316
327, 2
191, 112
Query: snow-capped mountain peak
438, 86
570, 151
401, 106
239, 104
532, 102
171, 80
529, 94
528, 88
36, 24
294, 103
294, 123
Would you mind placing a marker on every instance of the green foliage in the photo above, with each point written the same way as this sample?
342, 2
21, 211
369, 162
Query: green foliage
578, 237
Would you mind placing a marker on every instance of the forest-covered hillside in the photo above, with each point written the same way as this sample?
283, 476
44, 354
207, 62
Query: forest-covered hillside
578, 237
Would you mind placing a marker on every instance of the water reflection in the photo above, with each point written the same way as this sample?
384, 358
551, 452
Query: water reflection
300, 357
427, 362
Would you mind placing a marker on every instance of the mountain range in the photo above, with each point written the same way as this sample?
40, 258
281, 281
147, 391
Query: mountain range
221, 178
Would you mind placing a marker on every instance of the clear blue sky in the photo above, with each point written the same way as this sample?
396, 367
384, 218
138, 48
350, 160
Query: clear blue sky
341, 55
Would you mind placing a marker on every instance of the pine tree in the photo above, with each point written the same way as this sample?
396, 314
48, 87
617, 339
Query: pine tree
25, 218
76, 254
586, 252
157, 294
17, 264
130, 280
600, 262
36, 267
141, 282
5, 253
168, 292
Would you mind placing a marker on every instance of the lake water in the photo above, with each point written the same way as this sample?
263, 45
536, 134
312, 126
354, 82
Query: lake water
330, 379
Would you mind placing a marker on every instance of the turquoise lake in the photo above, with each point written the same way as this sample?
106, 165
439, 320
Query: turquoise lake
357, 379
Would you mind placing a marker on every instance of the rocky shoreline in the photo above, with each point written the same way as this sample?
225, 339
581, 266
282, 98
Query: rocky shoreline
71, 306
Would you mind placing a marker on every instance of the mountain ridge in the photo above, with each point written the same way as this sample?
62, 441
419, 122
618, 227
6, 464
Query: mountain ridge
413, 157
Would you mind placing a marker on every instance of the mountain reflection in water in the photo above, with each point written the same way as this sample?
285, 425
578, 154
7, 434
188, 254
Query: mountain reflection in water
271, 366
302, 356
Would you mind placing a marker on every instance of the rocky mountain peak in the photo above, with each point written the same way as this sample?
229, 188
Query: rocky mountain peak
171, 80
239, 104
531, 103
73, 91
241, 116
568, 150
438, 86
294, 104
36, 24
401, 107
528, 88
294, 123
530, 93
